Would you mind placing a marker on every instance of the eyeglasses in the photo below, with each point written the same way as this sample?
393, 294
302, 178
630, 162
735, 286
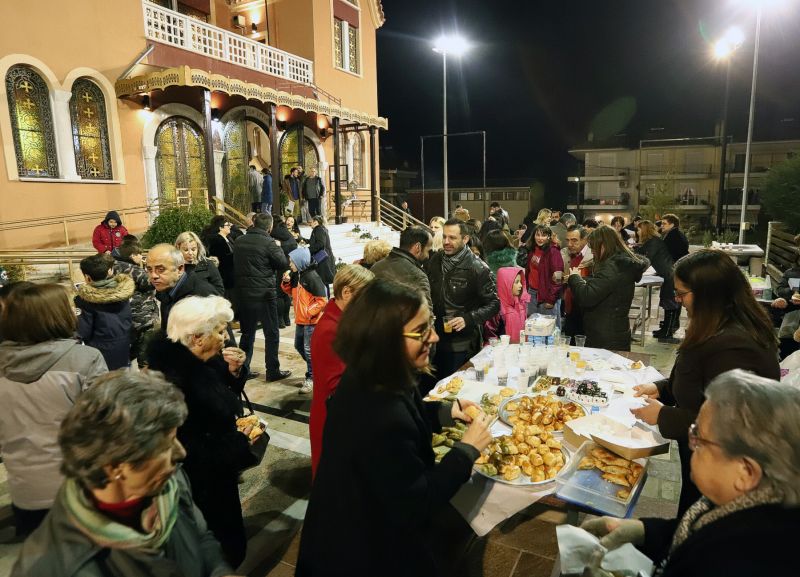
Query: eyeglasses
425, 335
681, 294
227, 224
696, 441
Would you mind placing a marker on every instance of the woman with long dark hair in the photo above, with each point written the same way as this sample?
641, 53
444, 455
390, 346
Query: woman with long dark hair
727, 330
605, 297
219, 244
657, 253
541, 259
377, 480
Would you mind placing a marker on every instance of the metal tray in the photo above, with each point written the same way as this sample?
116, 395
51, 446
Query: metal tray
523, 480
503, 414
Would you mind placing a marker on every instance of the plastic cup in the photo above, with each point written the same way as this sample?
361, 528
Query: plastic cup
446, 320
505, 339
494, 341
580, 340
563, 342
559, 274
480, 372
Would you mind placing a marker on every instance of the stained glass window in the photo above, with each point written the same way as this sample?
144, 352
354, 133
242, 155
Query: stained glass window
358, 160
181, 160
352, 46
87, 110
288, 149
338, 42
31, 123
236, 164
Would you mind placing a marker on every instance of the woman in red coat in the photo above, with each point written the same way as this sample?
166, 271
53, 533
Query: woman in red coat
108, 234
326, 366
541, 259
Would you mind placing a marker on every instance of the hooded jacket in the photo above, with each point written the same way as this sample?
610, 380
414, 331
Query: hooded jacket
105, 321
513, 310
105, 238
144, 306
306, 288
605, 300
38, 386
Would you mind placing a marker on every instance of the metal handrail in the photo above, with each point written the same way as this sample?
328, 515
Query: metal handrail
390, 212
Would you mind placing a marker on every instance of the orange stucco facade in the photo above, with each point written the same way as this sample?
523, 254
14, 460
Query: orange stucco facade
100, 39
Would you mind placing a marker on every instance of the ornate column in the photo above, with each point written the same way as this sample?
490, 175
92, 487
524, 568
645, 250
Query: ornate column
150, 176
219, 156
63, 129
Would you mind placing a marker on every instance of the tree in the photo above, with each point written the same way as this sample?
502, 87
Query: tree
781, 192
660, 201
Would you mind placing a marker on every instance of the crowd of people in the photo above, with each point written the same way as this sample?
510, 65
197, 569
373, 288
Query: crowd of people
93, 447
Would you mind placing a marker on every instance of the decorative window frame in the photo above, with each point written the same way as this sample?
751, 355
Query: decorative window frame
345, 41
60, 95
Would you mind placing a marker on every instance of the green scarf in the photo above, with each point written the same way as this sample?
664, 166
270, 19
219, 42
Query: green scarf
158, 519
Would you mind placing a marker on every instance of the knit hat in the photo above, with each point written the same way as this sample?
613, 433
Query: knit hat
301, 257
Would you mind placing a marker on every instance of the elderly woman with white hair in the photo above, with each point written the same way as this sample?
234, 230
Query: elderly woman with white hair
746, 463
212, 378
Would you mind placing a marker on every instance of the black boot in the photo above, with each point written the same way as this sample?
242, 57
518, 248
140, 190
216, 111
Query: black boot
670, 326
662, 326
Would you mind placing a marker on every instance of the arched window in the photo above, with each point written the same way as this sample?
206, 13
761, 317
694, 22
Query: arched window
181, 160
290, 153
31, 123
87, 110
357, 143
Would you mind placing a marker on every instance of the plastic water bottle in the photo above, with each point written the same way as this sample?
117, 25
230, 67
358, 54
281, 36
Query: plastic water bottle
555, 336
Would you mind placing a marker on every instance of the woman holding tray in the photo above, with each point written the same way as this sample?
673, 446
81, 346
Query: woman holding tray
727, 330
377, 484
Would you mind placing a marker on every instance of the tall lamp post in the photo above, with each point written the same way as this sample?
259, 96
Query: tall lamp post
724, 50
455, 45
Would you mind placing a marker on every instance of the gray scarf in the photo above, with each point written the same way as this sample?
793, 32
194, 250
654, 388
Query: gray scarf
451, 262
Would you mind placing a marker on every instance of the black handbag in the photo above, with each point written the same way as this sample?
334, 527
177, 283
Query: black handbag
258, 448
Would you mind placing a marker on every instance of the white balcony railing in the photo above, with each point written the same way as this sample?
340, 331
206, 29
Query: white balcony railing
175, 29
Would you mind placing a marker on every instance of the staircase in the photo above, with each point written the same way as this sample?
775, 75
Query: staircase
346, 245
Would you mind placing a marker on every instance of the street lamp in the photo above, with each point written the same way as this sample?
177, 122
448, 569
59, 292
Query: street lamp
454, 45
724, 50
577, 181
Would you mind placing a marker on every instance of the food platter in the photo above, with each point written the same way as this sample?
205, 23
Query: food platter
549, 411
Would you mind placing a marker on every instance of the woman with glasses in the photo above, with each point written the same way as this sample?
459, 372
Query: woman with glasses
218, 241
727, 330
745, 462
377, 484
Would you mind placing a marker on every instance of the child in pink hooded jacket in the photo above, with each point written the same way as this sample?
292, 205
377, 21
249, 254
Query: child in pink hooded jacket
512, 290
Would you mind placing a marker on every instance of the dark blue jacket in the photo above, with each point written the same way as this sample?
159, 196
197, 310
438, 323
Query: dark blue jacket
105, 320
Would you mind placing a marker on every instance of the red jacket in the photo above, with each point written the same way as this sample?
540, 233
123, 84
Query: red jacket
106, 239
327, 369
550, 262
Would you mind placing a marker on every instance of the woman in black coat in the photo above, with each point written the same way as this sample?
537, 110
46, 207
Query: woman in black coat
282, 234
196, 261
377, 486
211, 378
657, 253
321, 241
219, 244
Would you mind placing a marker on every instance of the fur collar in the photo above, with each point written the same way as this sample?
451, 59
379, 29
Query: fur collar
122, 291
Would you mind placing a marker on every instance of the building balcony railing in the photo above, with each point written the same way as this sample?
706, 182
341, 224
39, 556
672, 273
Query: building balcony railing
607, 171
176, 29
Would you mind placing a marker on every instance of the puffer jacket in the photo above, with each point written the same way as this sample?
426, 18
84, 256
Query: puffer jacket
105, 238
605, 300
468, 291
105, 321
38, 386
308, 294
257, 263
144, 306
59, 549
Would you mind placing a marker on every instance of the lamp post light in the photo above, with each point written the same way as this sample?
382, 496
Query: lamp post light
454, 45
750, 126
724, 50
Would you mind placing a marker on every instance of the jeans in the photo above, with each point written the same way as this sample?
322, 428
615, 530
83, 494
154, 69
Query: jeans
266, 207
265, 312
302, 344
313, 206
535, 307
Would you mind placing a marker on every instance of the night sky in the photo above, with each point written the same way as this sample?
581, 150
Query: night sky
543, 74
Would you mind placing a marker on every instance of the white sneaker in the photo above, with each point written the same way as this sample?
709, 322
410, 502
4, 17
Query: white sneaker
308, 386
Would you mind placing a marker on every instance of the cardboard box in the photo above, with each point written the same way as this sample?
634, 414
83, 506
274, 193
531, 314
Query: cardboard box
606, 432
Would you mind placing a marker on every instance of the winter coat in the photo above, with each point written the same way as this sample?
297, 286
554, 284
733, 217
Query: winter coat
206, 270
105, 321
327, 368
318, 241
513, 310
677, 244
280, 233
59, 549
313, 187
222, 248
468, 291
188, 285
308, 294
266, 189
258, 261
605, 300
216, 452
378, 490
756, 541
401, 266
105, 238
550, 262
144, 306
501, 258
660, 259
38, 386
783, 290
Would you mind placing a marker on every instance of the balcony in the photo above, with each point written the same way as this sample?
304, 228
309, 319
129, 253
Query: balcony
680, 171
177, 30
620, 203
605, 174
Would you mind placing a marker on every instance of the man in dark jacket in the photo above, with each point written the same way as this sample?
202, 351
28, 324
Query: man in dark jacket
286, 240
404, 264
172, 283
463, 289
257, 261
313, 191
676, 241
266, 191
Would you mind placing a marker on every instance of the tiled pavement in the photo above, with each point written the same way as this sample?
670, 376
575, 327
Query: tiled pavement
274, 494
